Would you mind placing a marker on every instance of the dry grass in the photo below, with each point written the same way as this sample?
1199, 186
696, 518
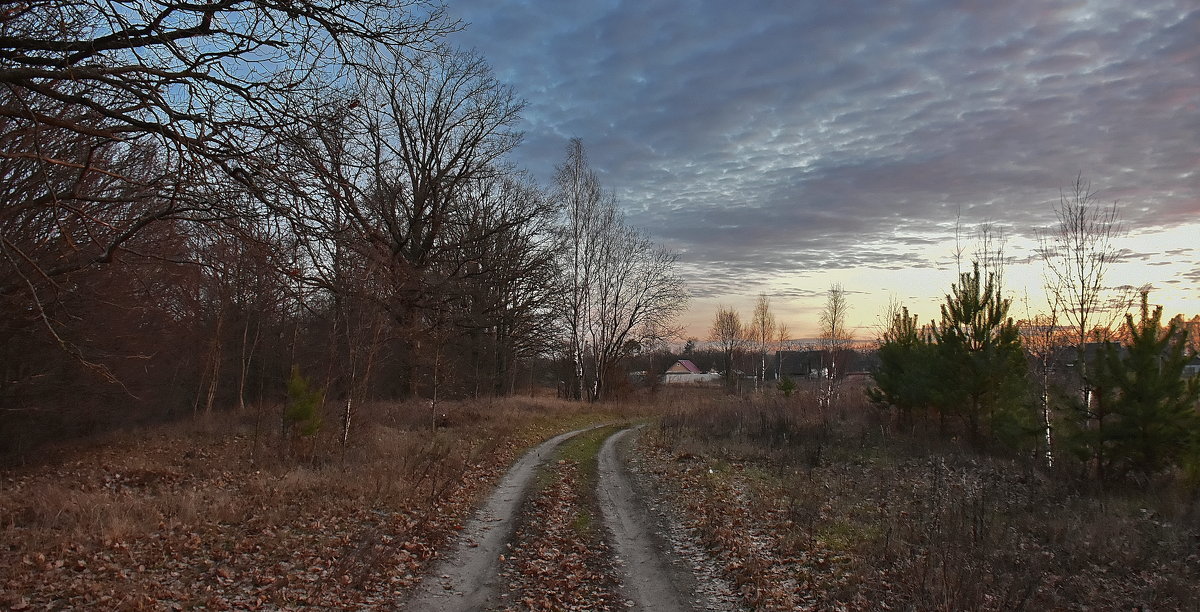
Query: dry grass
214, 514
811, 510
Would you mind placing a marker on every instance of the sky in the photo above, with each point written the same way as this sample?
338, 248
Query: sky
782, 147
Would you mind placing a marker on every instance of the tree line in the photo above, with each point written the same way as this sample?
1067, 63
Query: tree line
208, 203
753, 348
1092, 380
1085, 381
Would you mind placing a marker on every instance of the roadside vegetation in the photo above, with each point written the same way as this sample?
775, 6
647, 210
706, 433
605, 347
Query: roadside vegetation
845, 509
211, 514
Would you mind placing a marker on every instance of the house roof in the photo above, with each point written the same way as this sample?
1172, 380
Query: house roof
691, 367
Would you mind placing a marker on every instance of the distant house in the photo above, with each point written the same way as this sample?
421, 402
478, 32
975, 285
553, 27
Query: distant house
1068, 358
816, 363
684, 371
1192, 368
684, 366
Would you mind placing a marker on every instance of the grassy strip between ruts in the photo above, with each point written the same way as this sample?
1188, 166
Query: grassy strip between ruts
583, 451
559, 558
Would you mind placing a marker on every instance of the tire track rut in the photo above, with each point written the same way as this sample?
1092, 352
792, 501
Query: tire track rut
648, 579
467, 579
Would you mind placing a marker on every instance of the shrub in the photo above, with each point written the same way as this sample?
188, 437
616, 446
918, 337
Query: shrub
303, 404
787, 386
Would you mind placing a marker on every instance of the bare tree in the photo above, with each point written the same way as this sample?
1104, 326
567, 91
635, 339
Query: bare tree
762, 333
117, 117
1078, 252
637, 294
208, 78
783, 342
834, 339
389, 175
578, 191
729, 333
508, 279
1191, 329
621, 289
990, 245
834, 334
188, 87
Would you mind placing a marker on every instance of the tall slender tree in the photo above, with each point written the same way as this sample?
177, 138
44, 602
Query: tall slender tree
835, 340
762, 333
1078, 253
621, 288
578, 191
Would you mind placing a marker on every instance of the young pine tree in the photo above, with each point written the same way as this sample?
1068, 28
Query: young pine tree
1152, 421
907, 367
303, 404
982, 377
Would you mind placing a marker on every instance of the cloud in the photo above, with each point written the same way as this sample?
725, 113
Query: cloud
785, 138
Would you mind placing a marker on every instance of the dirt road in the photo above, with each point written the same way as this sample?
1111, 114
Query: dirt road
665, 567
659, 566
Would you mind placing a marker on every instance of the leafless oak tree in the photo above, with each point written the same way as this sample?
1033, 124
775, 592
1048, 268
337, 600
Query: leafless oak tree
389, 175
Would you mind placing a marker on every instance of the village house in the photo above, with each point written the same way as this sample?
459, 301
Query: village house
684, 371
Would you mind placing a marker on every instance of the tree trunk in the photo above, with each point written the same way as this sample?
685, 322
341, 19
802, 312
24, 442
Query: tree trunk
214, 366
246, 357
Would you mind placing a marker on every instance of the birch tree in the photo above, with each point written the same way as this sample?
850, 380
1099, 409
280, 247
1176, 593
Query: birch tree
578, 192
762, 332
834, 339
783, 342
1078, 252
620, 288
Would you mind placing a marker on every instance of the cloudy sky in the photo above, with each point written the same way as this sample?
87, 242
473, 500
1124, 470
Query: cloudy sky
783, 146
